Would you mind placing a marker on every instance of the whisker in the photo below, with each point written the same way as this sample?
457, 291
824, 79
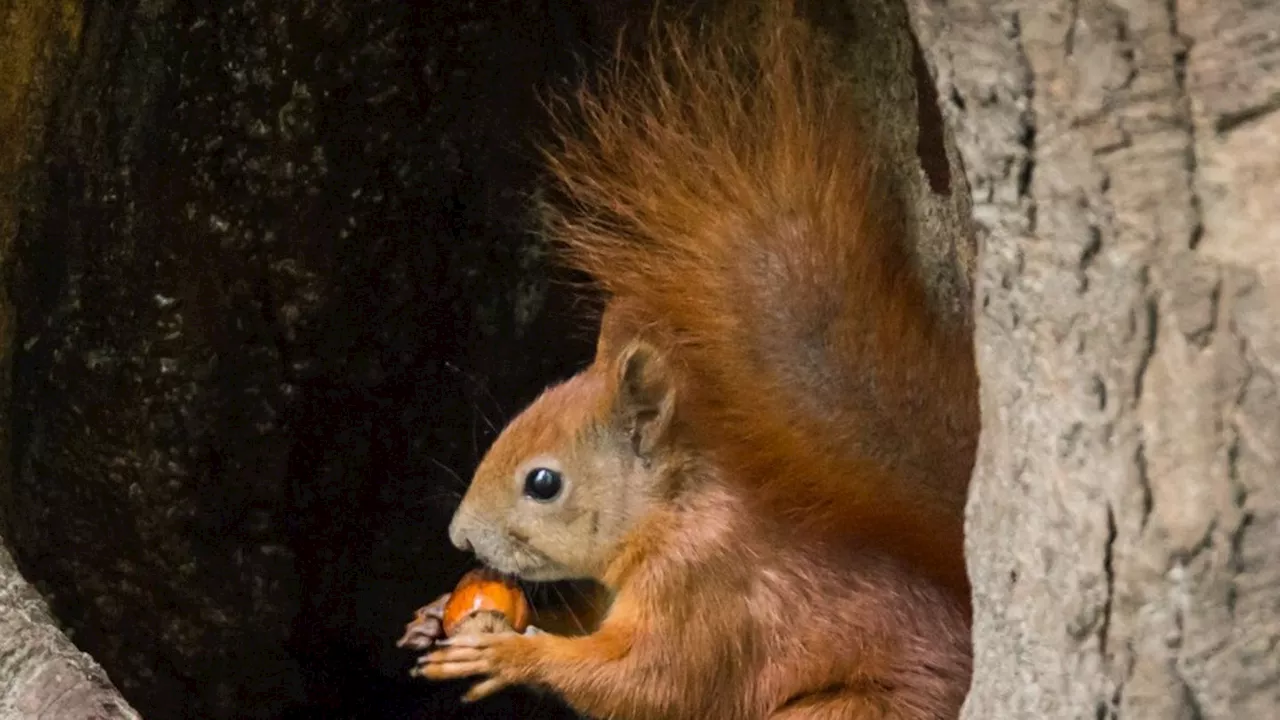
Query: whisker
452, 473
569, 610
480, 411
445, 494
481, 386
443, 501
588, 598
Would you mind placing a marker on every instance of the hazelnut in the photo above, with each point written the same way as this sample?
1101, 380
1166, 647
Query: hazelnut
485, 601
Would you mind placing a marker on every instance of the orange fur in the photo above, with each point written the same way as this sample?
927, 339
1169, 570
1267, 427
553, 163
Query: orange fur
767, 462
737, 205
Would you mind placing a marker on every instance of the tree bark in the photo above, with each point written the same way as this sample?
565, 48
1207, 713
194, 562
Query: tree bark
1124, 159
42, 675
897, 113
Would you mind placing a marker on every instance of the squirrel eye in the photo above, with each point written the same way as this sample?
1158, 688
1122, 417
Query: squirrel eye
542, 484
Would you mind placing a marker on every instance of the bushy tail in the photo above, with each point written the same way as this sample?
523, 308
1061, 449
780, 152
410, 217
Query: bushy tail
721, 184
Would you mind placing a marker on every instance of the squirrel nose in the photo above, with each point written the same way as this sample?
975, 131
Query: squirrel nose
458, 533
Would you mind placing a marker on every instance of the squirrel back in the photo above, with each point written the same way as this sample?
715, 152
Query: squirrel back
719, 191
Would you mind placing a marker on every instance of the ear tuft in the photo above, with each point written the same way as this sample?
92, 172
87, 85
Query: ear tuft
646, 396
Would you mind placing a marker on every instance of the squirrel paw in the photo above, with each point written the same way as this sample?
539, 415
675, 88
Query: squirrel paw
501, 656
427, 626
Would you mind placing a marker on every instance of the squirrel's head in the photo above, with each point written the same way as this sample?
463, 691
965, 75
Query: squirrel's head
570, 476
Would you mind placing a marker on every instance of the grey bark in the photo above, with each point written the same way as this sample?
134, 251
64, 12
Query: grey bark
42, 675
1124, 159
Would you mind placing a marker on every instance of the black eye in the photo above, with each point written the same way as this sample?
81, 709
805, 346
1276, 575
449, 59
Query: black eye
542, 484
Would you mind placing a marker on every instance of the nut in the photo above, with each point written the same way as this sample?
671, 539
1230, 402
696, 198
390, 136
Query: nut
483, 601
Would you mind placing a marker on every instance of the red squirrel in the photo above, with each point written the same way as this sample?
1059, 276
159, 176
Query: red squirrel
766, 463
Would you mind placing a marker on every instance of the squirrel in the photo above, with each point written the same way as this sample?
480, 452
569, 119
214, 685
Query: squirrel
766, 463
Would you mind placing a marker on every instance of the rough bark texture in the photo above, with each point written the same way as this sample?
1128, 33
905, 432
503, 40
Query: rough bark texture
273, 266
42, 675
899, 109
1124, 524
38, 45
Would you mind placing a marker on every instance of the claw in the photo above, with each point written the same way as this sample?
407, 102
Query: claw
474, 654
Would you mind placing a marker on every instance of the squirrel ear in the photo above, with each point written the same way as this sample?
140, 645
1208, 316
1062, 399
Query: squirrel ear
646, 395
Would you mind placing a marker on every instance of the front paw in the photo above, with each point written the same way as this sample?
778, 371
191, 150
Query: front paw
427, 626
503, 657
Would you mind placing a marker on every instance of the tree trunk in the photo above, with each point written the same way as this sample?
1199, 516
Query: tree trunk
1124, 524
42, 675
